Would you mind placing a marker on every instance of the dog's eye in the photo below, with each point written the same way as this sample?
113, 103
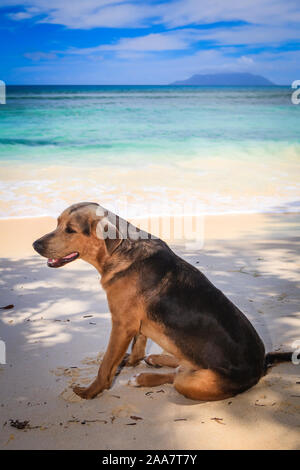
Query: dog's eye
70, 230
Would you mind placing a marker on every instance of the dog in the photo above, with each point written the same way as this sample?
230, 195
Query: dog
152, 293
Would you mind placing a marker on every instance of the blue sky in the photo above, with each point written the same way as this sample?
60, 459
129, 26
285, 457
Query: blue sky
146, 41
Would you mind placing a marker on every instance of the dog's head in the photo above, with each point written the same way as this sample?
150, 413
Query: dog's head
80, 234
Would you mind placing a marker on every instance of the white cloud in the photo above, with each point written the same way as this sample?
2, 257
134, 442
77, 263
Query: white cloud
110, 16
168, 41
153, 42
40, 55
21, 15
244, 60
187, 12
252, 35
148, 58
85, 14
282, 68
183, 39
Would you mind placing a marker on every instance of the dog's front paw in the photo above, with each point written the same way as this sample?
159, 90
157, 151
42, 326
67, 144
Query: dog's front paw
84, 392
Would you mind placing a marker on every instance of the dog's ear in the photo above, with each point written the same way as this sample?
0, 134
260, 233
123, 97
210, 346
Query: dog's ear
108, 231
85, 227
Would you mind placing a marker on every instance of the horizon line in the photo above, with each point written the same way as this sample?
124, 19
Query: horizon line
142, 84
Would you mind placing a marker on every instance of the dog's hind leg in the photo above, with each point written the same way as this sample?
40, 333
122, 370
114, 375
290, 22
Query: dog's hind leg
151, 380
137, 350
161, 360
203, 385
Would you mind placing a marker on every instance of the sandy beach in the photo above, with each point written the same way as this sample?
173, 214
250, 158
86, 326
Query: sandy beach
58, 330
183, 120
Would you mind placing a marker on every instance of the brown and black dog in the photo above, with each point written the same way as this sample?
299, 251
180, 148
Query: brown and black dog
153, 293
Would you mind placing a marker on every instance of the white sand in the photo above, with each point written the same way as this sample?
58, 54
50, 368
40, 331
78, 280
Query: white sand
51, 345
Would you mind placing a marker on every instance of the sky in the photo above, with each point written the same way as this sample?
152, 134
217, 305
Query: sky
147, 41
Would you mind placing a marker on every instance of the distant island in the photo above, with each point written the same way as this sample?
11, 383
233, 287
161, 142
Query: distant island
226, 79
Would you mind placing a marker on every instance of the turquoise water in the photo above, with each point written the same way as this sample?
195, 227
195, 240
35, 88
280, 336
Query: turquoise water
121, 125
136, 126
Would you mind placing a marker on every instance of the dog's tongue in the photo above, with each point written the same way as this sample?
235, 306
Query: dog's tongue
71, 255
53, 262
57, 262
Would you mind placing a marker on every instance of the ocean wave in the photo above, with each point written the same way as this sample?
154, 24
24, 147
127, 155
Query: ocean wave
47, 197
52, 142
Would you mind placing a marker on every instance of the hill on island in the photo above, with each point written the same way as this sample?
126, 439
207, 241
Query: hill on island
226, 79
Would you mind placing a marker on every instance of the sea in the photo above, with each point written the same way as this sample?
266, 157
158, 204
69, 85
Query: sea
149, 149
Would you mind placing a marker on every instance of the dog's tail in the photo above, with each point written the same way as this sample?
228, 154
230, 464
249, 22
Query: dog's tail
273, 358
